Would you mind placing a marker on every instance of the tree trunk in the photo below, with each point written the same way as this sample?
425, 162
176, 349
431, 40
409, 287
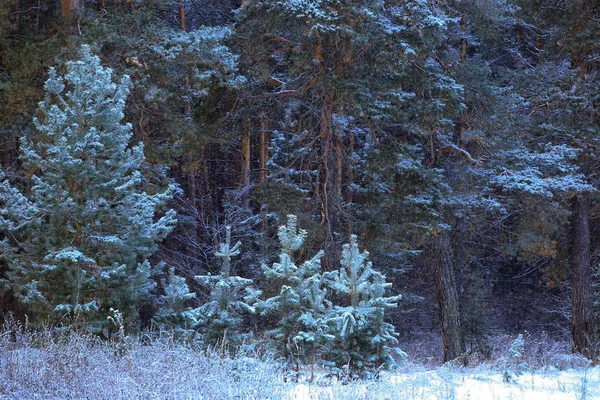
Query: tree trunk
463, 41
264, 150
447, 297
67, 6
461, 124
582, 329
181, 16
192, 195
9, 151
539, 47
245, 167
6, 154
325, 181
350, 179
5, 159
339, 167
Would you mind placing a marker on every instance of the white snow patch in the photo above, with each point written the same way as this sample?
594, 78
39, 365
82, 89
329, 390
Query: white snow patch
447, 383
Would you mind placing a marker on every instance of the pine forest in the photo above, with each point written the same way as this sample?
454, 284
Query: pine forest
341, 187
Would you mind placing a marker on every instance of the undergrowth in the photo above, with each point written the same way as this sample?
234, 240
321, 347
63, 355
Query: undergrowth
44, 364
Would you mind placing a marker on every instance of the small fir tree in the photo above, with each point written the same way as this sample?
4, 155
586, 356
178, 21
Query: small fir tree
95, 223
173, 315
300, 305
220, 319
363, 342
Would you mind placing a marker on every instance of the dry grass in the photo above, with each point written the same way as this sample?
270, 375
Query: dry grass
41, 365
76, 366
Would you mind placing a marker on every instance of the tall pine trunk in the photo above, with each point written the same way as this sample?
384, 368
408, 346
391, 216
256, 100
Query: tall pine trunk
265, 138
447, 296
67, 6
463, 41
181, 16
582, 329
245, 164
326, 170
192, 195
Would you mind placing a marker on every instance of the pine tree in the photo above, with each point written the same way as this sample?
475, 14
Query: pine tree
231, 297
97, 220
363, 340
335, 78
299, 305
173, 315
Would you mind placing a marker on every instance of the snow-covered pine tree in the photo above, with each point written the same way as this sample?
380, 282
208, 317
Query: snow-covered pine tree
300, 305
363, 340
97, 219
220, 318
336, 83
173, 316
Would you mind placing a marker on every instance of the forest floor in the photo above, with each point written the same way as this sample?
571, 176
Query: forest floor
38, 365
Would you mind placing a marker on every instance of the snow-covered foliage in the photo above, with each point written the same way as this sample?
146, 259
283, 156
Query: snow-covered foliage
544, 173
202, 54
345, 75
350, 335
174, 315
95, 219
363, 341
298, 304
515, 362
231, 298
16, 213
225, 252
80, 366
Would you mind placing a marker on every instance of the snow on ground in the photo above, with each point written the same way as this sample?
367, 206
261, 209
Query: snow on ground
447, 383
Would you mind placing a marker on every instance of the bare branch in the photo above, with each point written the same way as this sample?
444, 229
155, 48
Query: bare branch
465, 154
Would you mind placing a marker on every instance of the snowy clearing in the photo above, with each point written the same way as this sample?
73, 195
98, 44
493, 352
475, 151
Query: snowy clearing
448, 383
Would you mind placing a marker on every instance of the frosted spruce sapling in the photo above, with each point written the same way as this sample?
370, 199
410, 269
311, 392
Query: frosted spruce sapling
299, 304
173, 315
364, 342
220, 318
